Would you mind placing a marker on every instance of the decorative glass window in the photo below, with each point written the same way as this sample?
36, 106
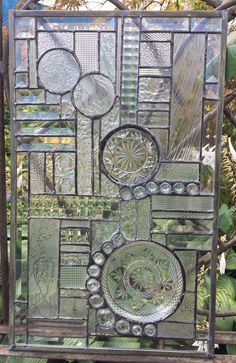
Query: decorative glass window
115, 164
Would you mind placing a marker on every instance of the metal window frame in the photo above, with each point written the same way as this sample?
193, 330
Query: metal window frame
114, 353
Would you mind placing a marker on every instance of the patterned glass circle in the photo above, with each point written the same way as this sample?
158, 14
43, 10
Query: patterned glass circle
130, 155
58, 70
94, 95
142, 281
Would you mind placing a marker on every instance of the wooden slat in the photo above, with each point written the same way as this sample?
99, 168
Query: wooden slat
4, 351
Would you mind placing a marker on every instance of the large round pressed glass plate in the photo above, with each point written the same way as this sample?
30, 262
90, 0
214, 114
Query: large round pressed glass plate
129, 155
143, 282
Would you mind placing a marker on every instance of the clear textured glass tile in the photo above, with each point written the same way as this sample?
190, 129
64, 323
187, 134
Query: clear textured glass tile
37, 173
164, 72
130, 62
181, 226
51, 40
155, 54
64, 170
84, 156
186, 115
43, 267
156, 36
73, 277
154, 89
108, 55
174, 202
148, 106
211, 91
86, 49
178, 171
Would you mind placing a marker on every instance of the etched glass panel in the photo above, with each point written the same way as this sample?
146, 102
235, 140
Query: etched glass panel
115, 130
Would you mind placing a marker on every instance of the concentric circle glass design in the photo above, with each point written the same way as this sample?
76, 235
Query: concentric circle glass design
130, 155
143, 281
58, 70
94, 95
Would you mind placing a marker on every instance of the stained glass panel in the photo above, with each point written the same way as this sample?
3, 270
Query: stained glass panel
114, 197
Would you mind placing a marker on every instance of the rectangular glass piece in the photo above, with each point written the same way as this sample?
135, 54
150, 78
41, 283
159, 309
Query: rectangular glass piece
186, 102
45, 112
213, 57
171, 330
51, 40
153, 119
108, 55
154, 89
181, 226
84, 156
130, 63
64, 169
46, 128
73, 308
155, 54
30, 96
71, 259
73, 277
25, 27
162, 72
43, 267
198, 242
37, 173
208, 164
86, 49
206, 25
185, 203
45, 143
33, 81
78, 23
178, 171
146, 106
21, 55
21, 80
155, 36
165, 24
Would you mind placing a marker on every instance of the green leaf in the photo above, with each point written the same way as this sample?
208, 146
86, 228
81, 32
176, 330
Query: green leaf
230, 69
225, 301
231, 349
231, 260
225, 218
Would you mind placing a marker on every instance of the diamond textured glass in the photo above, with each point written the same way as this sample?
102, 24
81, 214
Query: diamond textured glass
113, 198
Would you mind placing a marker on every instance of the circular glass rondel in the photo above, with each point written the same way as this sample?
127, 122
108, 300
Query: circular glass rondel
143, 282
129, 155
58, 70
94, 95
